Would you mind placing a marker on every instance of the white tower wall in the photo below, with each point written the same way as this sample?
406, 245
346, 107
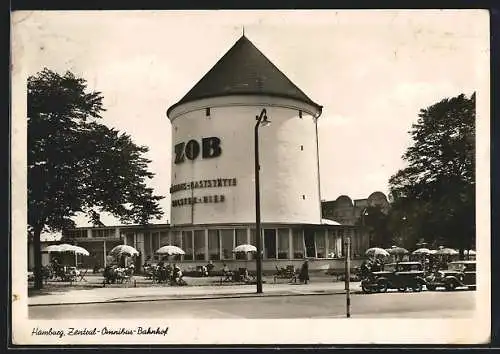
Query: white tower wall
288, 159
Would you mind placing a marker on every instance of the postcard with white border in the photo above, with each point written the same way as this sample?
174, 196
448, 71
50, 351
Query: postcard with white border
149, 146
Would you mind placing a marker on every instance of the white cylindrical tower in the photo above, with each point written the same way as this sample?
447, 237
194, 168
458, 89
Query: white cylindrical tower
213, 175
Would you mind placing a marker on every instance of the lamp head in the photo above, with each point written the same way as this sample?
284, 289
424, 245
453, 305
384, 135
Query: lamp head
265, 122
262, 118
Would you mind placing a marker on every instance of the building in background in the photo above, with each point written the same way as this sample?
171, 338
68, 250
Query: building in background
213, 177
346, 211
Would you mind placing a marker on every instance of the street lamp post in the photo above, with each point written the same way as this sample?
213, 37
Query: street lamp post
363, 214
261, 120
347, 243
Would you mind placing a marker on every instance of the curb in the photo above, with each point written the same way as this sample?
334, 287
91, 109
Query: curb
194, 297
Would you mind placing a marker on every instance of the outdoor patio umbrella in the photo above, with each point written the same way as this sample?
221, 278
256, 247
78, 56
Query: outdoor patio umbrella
245, 248
397, 250
123, 250
376, 251
79, 250
446, 251
64, 247
52, 248
422, 251
170, 250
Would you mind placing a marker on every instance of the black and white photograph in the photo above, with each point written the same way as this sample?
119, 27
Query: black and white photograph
250, 177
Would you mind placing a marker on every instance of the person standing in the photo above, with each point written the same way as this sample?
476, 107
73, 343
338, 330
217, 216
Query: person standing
304, 272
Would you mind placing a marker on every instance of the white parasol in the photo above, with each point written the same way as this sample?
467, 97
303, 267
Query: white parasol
52, 248
245, 248
170, 250
66, 248
422, 251
446, 251
397, 250
376, 251
123, 250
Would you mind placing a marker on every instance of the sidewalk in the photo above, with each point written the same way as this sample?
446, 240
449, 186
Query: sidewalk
130, 294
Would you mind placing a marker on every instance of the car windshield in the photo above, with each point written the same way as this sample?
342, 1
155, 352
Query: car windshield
470, 267
409, 267
390, 267
457, 267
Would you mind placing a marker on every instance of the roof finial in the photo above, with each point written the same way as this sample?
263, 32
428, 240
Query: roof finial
243, 31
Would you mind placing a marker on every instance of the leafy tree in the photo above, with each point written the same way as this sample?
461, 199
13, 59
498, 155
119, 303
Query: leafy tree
375, 222
437, 188
76, 164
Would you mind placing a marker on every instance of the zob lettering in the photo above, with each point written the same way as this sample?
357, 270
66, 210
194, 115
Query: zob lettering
210, 147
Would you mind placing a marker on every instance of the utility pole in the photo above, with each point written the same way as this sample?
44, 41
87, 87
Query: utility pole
261, 120
347, 240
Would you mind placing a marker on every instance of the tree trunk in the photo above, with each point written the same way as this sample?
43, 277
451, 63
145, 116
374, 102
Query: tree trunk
38, 258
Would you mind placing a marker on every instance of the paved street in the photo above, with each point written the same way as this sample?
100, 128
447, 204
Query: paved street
427, 304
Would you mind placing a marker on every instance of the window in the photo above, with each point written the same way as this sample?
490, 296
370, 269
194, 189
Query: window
241, 239
310, 244
156, 243
129, 238
147, 244
103, 233
270, 243
332, 245
70, 234
226, 236
176, 241
164, 238
283, 243
213, 245
298, 243
187, 242
199, 245
340, 240
253, 241
319, 236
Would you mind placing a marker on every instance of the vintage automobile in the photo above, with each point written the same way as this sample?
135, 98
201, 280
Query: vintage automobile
400, 276
458, 275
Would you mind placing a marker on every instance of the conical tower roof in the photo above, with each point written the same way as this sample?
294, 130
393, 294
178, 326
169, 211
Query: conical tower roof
244, 70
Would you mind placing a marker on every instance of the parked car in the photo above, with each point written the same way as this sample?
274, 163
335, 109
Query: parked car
459, 274
400, 276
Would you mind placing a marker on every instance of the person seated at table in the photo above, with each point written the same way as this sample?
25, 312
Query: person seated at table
210, 266
131, 269
203, 271
244, 274
226, 271
177, 274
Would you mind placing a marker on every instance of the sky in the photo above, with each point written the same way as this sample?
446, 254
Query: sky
372, 71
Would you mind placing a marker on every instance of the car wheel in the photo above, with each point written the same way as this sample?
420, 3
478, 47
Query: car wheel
431, 287
450, 286
366, 289
417, 287
382, 287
